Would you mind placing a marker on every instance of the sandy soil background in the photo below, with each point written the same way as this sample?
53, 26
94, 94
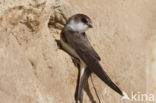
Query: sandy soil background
34, 70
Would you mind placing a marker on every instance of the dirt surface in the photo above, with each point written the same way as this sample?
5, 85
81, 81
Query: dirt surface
34, 70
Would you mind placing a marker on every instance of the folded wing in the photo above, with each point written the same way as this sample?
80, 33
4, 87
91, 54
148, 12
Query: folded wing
90, 57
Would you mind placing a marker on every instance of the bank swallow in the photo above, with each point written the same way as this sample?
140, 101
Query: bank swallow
74, 40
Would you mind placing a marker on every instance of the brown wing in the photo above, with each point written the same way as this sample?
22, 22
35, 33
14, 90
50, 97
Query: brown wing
81, 39
91, 48
85, 51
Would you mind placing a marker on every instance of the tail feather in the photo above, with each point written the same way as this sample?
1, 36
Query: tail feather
94, 66
97, 69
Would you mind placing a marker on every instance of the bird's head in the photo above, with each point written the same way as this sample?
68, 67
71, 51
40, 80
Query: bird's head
79, 23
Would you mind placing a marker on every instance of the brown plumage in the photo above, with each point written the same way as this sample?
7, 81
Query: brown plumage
80, 47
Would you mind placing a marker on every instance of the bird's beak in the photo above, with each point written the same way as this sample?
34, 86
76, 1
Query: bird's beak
90, 25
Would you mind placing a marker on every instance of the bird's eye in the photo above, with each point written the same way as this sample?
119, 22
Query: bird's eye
84, 20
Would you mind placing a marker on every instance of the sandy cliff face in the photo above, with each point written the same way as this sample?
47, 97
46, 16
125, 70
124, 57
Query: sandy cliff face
34, 70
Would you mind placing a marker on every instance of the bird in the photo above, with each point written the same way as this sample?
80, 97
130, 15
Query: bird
73, 40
